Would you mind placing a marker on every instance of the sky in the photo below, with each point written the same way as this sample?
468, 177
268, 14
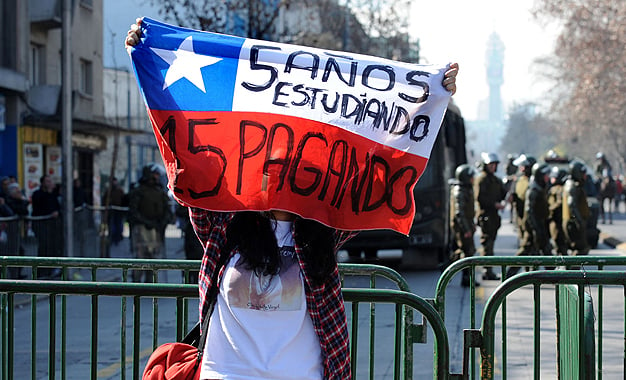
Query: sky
450, 30
460, 32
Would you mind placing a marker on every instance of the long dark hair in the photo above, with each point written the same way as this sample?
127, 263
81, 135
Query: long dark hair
252, 233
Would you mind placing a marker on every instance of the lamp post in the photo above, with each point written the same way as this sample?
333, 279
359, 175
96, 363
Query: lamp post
66, 129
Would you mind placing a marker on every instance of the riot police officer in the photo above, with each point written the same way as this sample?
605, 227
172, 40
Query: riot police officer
511, 174
490, 193
462, 214
555, 205
536, 230
602, 165
518, 195
575, 209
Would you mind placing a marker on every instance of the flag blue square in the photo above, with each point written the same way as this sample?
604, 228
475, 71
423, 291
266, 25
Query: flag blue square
218, 78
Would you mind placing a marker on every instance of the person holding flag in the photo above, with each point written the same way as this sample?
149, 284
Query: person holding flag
279, 312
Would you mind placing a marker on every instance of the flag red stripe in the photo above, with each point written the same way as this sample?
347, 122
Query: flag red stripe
231, 161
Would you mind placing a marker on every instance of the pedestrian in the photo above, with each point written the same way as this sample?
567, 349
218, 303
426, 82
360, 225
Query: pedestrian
279, 312
17, 201
7, 235
462, 213
5, 210
490, 194
46, 224
113, 198
619, 192
536, 211
555, 204
148, 214
576, 209
4, 184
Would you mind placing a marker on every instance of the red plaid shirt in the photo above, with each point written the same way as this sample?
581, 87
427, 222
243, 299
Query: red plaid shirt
324, 301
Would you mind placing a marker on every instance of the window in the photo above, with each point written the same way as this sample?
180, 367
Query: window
8, 47
36, 72
86, 77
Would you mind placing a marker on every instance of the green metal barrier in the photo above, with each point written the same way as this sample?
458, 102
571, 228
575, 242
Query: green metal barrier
575, 333
100, 269
581, 263
63, 342
484, 338
119, 269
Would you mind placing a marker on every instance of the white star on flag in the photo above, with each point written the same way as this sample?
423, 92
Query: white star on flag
185, 63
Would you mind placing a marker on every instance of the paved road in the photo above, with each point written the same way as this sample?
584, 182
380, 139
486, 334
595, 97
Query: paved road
421, 282
519, 313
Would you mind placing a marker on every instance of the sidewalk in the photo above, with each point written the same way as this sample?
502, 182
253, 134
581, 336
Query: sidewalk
173, 244
173, 251
521, 311
614, 235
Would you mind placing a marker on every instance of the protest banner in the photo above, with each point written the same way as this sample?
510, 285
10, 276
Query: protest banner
244, 124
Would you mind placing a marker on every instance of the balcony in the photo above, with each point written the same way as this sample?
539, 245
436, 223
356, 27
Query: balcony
46, 14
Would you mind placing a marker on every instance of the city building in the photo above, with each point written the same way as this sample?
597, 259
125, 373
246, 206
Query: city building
31, 91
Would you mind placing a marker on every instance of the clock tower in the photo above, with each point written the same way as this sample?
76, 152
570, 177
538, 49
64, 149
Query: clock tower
494, 59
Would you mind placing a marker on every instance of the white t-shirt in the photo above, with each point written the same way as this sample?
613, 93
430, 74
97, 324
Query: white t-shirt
260, 328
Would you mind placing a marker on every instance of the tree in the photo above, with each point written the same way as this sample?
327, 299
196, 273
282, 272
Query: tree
528, 132
375, 27
246, 18
589, 74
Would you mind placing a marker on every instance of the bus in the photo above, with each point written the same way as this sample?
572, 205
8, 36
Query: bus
428, 244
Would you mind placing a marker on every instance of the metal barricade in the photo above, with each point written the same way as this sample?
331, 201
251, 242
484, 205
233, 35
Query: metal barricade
485, 337
46, 339
575, 264
368, 275
575, 333
42, 236
355, 275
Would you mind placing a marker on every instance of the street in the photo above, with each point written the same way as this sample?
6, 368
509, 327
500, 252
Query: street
519, 312
422, 283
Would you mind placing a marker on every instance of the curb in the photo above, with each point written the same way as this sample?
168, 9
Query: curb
612, 241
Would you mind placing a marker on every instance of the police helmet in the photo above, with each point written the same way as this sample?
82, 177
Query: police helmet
599, 156
525, 160
464, 173
489, 158
558, 174
577, 170
539, 170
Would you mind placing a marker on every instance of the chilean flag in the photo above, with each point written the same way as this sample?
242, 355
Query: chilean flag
245, 124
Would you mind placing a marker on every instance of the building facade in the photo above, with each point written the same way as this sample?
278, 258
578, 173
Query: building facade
31, 88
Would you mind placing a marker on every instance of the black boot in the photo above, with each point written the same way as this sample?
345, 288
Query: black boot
512, 271
465, 279
490, 275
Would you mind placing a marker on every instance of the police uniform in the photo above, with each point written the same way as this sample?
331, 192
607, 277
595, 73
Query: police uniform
489, 191
536, 212
555, 207
462, 213
576, 210
525, 164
